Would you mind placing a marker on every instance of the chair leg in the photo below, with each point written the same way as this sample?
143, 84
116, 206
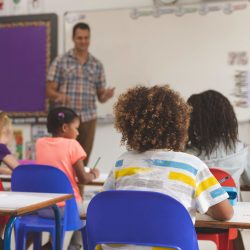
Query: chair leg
223, 242
84, 238
53, 239
20, 239
237, 244
37, 240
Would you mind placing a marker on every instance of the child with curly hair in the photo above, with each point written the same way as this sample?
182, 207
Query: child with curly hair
154, 125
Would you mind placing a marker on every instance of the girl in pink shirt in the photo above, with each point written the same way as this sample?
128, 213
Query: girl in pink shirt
63, 151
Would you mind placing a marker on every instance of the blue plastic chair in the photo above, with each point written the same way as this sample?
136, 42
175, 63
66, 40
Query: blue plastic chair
45, 179
139, 218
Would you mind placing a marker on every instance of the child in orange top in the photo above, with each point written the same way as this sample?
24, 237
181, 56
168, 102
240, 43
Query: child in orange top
63, 151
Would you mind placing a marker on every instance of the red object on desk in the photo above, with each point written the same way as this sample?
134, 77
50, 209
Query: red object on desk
223, 239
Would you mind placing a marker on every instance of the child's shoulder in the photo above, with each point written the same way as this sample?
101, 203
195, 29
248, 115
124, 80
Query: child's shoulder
181, 158
60, 140
184, 156
164, 155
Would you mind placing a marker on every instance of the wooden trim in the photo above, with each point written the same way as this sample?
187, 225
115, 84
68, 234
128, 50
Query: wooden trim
221, 224
95, 183
245, 188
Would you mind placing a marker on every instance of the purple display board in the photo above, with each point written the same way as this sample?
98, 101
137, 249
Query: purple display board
25, 55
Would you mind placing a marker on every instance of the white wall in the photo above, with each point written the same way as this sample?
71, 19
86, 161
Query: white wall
213, 29
190, 52
61, 6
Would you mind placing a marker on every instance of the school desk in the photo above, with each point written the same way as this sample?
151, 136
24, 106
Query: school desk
97, 182
16, 204
5, 177
240, 219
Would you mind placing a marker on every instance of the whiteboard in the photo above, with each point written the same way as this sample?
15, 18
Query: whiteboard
190, 52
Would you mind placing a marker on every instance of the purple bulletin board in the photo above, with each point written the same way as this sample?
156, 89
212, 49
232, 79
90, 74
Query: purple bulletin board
27, 46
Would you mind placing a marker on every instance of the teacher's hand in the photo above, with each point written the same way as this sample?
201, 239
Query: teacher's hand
109, 92
105, 94
62, 99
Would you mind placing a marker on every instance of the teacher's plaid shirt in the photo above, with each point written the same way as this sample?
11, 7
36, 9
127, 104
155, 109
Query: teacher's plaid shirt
79, 81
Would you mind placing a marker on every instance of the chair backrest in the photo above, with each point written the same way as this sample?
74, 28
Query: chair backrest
46, 179
140, 218
228, 183
219, 174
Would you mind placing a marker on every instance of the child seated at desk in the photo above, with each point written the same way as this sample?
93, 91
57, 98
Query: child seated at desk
213, 134
6, 135
63, 151
5, 156
153, 122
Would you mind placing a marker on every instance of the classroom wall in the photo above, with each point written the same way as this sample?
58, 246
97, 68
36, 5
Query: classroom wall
191, 53
61, 6
107, 143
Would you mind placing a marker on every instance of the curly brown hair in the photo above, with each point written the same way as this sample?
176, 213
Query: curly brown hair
152, 118
212, 122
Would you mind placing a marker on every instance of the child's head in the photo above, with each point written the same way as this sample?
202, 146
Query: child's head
63, 122
5, 124
152, 118
212, 122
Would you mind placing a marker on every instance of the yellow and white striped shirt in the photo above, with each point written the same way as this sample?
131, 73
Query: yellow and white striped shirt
179, 175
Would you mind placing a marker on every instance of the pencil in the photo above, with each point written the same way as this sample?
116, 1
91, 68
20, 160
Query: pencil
99, 158
224, 179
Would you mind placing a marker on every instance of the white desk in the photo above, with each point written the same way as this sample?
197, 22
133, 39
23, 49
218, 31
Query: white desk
20, 203
241, 218
97, 182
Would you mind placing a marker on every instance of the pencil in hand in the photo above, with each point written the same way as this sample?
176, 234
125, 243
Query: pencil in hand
99, 158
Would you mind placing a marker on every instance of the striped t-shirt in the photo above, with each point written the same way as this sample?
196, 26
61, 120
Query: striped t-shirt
179, 175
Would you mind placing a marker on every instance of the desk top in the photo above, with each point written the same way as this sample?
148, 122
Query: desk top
97, 182
241, 218
17, 203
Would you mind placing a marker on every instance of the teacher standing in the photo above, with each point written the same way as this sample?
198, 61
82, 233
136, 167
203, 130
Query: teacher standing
74, 80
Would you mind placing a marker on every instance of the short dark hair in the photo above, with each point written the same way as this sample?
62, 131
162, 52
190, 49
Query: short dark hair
212, 122
152, 118
59, 116
83, 26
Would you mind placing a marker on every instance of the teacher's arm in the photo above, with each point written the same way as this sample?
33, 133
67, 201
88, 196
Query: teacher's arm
104, 94
54, 95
